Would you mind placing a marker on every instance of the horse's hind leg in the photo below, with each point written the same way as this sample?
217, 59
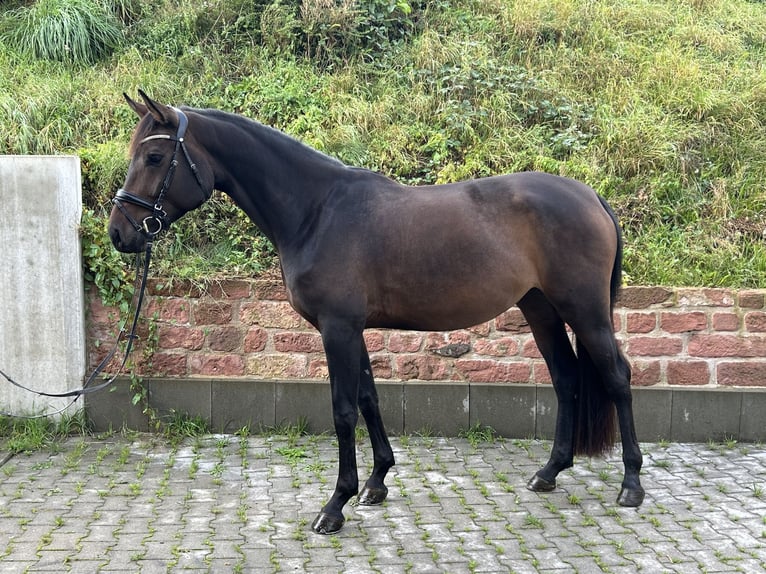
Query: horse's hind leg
552, 341
598, 347
374, 491
600, 371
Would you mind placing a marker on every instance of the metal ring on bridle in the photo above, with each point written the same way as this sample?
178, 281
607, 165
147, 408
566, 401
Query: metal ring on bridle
145, 225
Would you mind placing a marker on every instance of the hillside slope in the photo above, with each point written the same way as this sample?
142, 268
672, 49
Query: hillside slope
659, 105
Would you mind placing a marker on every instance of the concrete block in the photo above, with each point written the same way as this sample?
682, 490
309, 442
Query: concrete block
651, 413
700, 416
391, 401
308, 401
236, 404
513, 411
753, 422
508, 409
436, 408
190, 397
112, 409
42, 340
545, 412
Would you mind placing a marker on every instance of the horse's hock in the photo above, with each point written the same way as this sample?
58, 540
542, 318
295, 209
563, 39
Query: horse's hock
42, 339
238, 355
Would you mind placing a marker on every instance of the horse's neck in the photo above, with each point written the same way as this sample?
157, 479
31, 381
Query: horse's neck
276, 180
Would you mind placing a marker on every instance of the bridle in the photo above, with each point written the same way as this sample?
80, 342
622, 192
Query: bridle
149, 227
152, 224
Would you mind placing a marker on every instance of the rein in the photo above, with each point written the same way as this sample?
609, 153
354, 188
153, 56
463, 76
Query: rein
149, 227
129, 335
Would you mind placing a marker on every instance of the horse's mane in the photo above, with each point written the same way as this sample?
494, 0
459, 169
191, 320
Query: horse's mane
264, 131
147, 125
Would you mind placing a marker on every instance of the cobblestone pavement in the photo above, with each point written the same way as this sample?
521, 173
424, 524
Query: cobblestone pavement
223, 504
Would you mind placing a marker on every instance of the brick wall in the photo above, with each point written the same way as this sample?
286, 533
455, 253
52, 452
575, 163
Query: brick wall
246, 329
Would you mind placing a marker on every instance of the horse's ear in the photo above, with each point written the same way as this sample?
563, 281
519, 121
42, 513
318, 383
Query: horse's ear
140, 109
162, 114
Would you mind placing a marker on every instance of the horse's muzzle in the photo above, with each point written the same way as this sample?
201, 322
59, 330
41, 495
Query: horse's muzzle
126, 242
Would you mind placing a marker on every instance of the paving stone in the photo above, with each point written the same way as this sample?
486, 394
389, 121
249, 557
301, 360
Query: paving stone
118, 506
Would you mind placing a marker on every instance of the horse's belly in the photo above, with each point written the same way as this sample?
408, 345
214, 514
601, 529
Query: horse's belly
438, 307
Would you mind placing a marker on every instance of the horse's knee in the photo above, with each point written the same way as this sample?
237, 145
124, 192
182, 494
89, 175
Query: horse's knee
345, 421
618, 384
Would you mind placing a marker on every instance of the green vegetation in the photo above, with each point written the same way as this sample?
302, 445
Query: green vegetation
478, 434
657, 104
32, 434
178, 426
75, 31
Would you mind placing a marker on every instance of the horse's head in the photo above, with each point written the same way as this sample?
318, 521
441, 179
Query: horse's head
163, 180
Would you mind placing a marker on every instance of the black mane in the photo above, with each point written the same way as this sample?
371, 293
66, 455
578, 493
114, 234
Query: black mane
248, 125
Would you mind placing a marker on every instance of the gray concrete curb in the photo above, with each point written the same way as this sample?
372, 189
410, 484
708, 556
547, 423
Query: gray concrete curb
512, 410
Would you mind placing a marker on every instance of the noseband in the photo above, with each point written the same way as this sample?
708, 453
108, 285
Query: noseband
152, 224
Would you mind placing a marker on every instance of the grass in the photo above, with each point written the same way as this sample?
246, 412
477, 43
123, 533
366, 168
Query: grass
74, 31
292, 454
478, 434
179, 426
656, 104
19, 435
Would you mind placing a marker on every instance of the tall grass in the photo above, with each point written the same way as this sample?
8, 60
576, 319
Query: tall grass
76, 31
658, 104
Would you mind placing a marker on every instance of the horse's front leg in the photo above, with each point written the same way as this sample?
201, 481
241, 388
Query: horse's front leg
375, 490
342, 344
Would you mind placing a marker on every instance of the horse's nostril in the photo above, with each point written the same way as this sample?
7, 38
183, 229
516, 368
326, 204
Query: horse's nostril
114, 235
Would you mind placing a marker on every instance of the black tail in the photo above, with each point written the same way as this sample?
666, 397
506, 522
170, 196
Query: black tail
596, 422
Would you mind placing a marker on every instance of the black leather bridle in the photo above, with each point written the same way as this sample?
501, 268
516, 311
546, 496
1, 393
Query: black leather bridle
152, 224
149, 227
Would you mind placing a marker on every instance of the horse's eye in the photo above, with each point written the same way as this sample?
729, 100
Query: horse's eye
154, 158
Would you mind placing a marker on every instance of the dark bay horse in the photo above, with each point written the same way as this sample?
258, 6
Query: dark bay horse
359, 250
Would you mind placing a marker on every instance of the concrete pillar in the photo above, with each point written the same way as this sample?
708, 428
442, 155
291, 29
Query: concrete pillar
42, 325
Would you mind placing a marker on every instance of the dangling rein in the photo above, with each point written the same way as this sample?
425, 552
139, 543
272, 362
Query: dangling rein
158, 219
129, 335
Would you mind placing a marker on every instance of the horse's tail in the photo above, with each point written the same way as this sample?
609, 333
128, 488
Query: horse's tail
595, 423
616, 279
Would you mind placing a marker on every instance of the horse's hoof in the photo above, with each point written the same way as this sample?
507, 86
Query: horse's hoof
327, 523
372, 496
538, 484
631, 497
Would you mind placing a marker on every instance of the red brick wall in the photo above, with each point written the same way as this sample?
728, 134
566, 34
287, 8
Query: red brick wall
246, 329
